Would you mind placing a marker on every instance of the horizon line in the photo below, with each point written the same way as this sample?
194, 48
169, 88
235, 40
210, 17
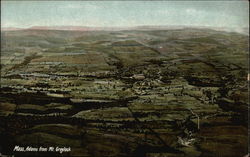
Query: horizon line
124, 26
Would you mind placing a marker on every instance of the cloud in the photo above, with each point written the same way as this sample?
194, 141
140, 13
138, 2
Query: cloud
192, 11
77, 6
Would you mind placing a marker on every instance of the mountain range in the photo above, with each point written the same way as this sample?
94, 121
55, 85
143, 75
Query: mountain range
243, 30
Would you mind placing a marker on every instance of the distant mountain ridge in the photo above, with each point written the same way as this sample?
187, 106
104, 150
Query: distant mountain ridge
67, 28
243, 30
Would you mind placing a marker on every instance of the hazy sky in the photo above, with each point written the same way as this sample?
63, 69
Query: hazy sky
126, 13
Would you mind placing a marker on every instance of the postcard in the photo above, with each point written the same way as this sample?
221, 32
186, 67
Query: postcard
124, 78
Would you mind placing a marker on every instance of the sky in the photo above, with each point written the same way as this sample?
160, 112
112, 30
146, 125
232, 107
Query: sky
23, 14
